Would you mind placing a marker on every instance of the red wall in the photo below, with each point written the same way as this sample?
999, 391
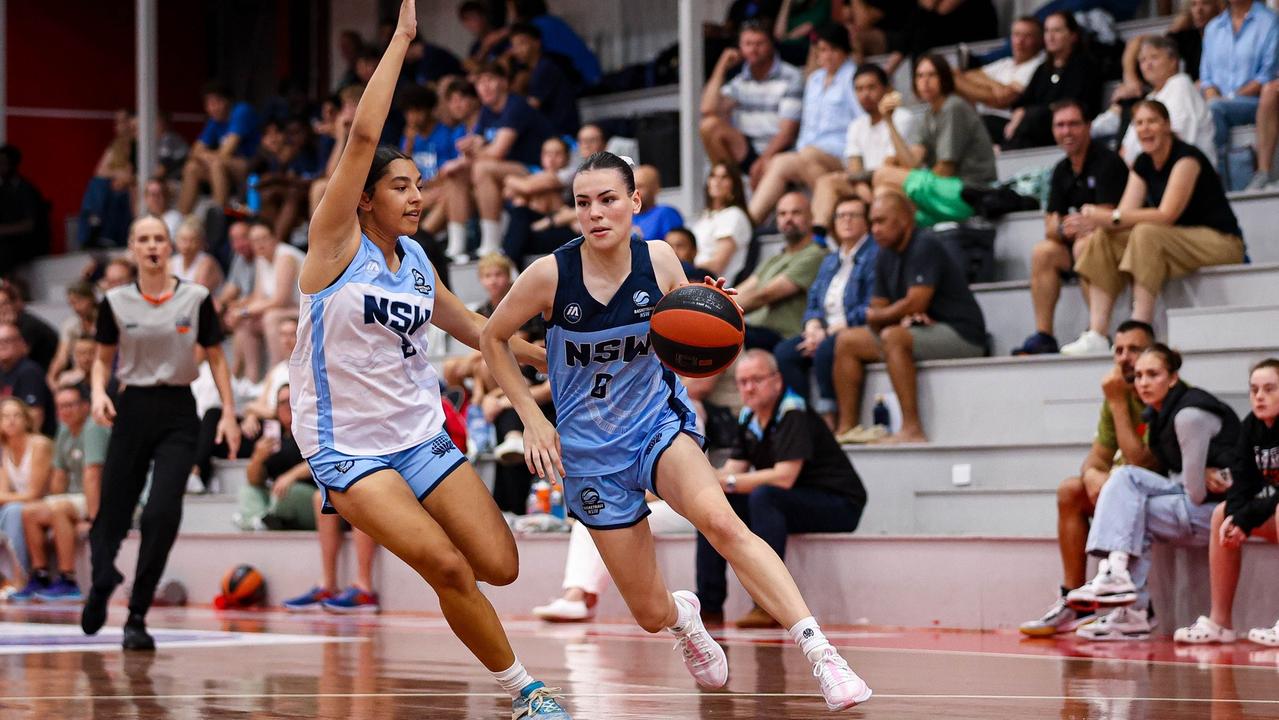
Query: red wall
78, 55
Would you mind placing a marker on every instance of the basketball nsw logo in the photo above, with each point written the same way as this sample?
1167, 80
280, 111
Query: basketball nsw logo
591, 502
344, 466
441, 446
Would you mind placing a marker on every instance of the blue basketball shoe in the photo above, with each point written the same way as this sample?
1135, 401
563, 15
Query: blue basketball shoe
538, 701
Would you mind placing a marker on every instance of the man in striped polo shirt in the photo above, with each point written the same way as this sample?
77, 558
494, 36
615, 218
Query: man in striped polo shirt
755, 115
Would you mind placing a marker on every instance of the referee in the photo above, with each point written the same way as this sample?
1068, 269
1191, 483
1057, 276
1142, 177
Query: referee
155, 324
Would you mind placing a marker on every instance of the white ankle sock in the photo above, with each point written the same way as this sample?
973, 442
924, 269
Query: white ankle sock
683, 616
513, 679
1118, 561
457, 238
808, 635
490, 236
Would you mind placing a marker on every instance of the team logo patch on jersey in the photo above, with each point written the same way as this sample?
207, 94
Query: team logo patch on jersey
591, 502
640, 298
345, 466
419, 283
183, 325
372, 268
573, 313
441, 446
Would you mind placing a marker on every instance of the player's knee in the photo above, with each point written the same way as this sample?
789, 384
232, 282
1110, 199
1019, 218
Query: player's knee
503, 572
723, 528
447, 574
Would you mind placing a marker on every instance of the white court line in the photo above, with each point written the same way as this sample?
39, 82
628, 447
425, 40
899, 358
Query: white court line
882, 696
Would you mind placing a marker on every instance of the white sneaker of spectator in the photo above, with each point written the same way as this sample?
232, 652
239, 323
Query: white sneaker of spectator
1089, 343
563, 610
1110, 588
1259, 181
1268, 636
1124, 623
1204, 632
511, 450
1060, 618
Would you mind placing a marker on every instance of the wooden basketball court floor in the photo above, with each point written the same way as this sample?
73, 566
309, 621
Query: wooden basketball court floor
258, 665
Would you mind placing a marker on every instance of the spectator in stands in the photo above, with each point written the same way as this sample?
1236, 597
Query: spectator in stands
799, 24
358, 597
723, 230
490, 41
77, 372
506, 141
221, 154
461, 113
83, 302
936, 23
75, 485
24, 214
1089, 175
279, 493
118, 271
653, 220
285, 166
830, 104
275, 297
867, 146
994, 87
264, 407
549, 90
559, 38
535, 204
1173, 219
155, 200
684, 243
171, 149
877, 27
951, 148
1191, 119
590, 140
1193, 435
107, 207
1239, 53
238, 284
1069, 71
26, 463
1186, 32
775, 295
40, 338
349, 46
748, 120
191, 263
430, 143
837, 299
921, 309
786, 475
1119, 441
1249, 511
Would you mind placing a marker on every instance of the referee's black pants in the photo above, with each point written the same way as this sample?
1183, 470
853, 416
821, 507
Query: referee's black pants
152, 423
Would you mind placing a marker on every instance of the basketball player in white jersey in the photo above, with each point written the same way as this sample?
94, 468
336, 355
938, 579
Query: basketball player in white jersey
366, 403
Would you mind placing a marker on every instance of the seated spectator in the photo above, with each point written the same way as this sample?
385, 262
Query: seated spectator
284, 166
40, 337
221, 155
24, 214
830, 104
22, 378
426, 63
684, 243
26, 459
867, 147
1069, 71
328, 596
279, 493
994, 87
586, 577
1119, 440
950, 149
1191, 120
775, 295
559, 38
155, 200
117, 271
1173, 219
490, 41
937, 23
590, 140
506, 141
798, 26
546, 87
350, 43
337, 133
1239, 52
461, 112
79, 452
171, 149
921, 309
877, 27
723, 230
107, 207
653, 220
786, 475
1249, 511
1193, 435
535, 204
837, 299
1089, 175
748, 120
208, 409
1186, 33
83, 302
237, 287
77, 372
430, 143
274, 298
191, 263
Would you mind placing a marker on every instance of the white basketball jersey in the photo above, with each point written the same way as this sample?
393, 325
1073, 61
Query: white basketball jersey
359, 376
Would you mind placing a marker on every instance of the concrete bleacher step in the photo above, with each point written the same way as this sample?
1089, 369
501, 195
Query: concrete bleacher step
208, 513
49, 276
955, 582
1226, 326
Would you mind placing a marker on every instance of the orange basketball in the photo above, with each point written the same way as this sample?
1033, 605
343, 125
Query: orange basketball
697, 330
243, 586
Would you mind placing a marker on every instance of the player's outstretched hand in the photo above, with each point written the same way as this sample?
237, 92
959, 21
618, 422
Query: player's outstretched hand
542, 448
407, 23
721, 283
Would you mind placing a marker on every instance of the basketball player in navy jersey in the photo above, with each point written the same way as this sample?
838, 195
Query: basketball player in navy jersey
626, 426
366, 402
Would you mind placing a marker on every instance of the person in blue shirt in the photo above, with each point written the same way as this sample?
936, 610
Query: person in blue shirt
1238, 60
653, 221
431, 144
549, 90
830, 106
559, 38
221, 155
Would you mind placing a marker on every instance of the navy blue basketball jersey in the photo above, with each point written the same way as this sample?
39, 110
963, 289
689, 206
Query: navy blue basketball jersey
609, 388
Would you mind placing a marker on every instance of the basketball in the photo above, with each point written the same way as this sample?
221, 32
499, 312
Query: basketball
243, 586
697, 330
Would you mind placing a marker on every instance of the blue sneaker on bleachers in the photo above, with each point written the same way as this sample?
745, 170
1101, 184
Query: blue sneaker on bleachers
30, 593
352, 601
310, 601
538, 701
61, 590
